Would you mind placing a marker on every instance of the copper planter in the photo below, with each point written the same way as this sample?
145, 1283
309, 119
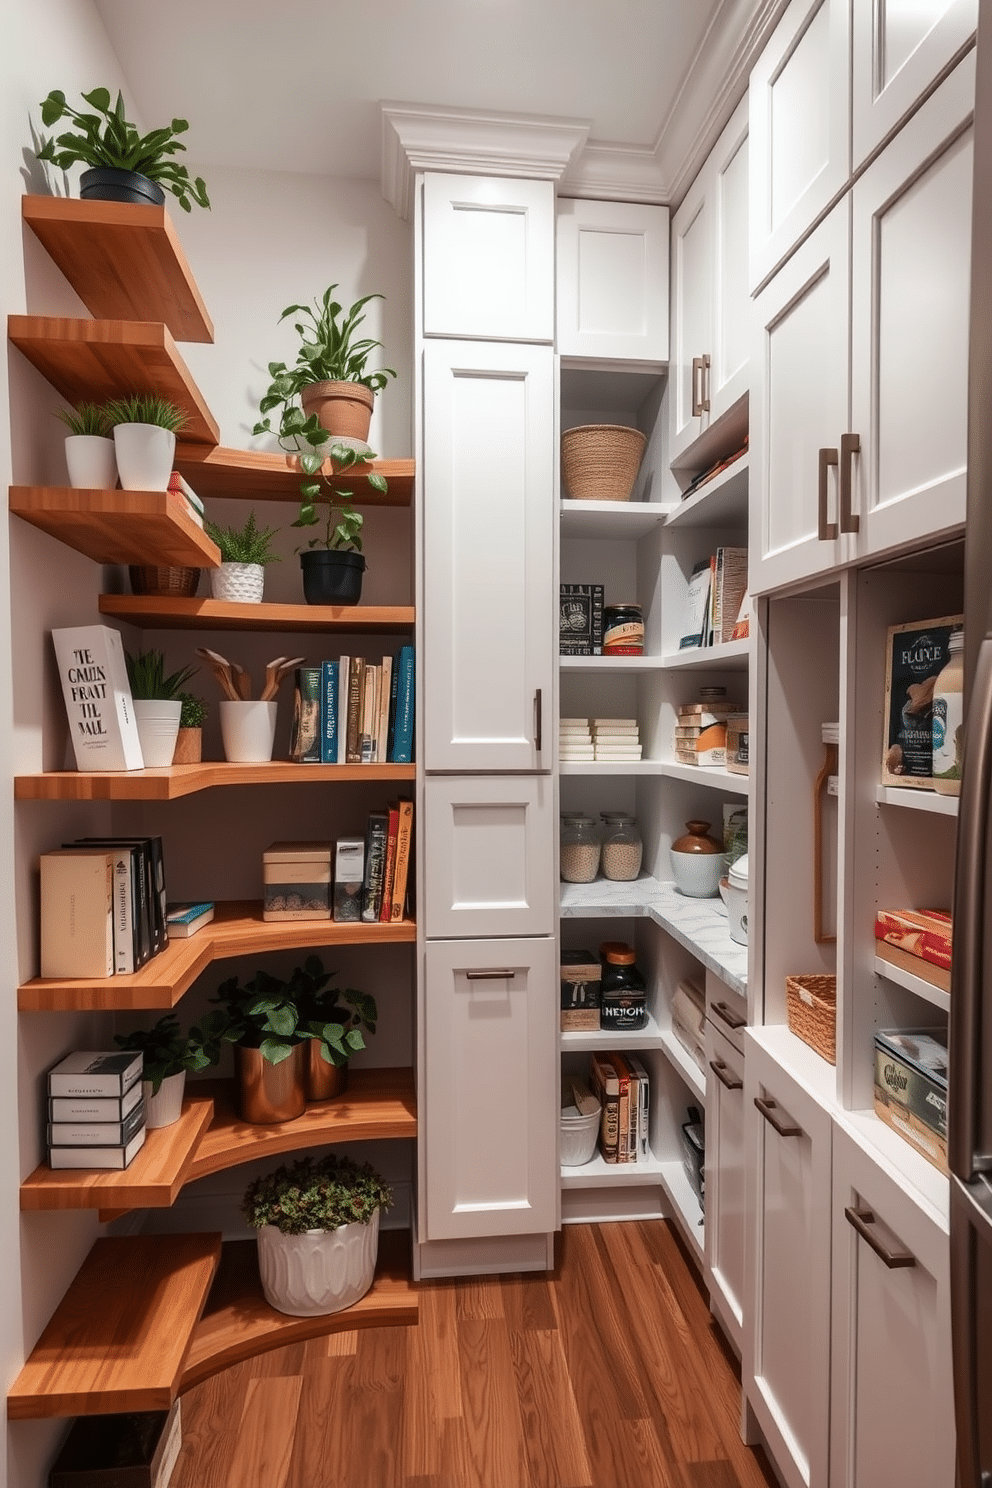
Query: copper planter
268, 1093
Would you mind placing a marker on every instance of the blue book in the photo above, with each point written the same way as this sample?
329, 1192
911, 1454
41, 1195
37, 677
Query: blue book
401, 752
329, 713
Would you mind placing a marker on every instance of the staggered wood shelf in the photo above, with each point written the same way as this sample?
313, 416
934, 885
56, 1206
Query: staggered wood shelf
217, 614
255, 475
124, 261
99, 359
236, 930
118, 526
172, 782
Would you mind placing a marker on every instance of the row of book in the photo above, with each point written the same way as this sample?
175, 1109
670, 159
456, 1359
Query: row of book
388, 856
103, 906
717, 605
620, 1081
588, 739
193, 504
96, 1110
350, 711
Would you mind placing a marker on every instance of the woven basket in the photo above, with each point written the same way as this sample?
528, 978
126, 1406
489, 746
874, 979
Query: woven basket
811, 1008
165, 583
599, 462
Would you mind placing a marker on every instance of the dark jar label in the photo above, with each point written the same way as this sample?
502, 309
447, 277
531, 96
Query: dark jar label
623, 630
627, 1012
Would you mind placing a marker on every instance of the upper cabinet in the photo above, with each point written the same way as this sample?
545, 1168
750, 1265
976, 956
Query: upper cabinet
711, 310
488, 258
613, 281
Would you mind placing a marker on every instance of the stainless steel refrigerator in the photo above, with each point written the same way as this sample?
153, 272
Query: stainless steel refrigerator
970, 1071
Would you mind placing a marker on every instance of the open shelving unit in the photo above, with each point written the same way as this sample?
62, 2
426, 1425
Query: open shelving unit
218, 614
171, 782
117, 526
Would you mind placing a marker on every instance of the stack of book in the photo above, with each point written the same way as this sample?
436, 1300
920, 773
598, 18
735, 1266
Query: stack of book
372, 875
103, 906
701, 733
917, 940
616, 739
574, 740
184, 920
350, 711
621, 1083
96, 1113
194, 506
714, 599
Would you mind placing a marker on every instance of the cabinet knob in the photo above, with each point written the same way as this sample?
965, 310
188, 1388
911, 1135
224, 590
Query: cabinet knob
862, 1220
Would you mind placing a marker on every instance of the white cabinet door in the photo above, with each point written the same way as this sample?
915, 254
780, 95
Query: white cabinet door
911, 269
799, 410
692, 310
786, 1359
892, 1403
490, 1111
490, 855
489, 257
898, 49
725, 1206
612, 281
490, 606
800, 102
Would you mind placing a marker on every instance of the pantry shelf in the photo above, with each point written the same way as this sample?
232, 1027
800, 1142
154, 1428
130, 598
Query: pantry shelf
730, 656
916, 984
917, 800
610, 520
258, 475
216, 614
172, 782
117, 526
684, 1064
712, 775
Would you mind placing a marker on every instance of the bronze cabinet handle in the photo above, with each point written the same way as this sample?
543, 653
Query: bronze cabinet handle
729, 1016
862, 1221
700, 388
825, 531
498, 974
538, 719
850, 445
768, 1107
723, 1073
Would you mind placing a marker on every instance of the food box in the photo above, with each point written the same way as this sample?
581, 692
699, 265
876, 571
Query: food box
917, 940
737, 744
581, 974
911, 1088
915, 655
694, 1152
296, 878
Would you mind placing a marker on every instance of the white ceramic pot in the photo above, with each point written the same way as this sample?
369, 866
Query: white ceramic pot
144, 456
697, 874
158, 728
248, 731
238, 583
165, 1107
737, 900
319, 1272
91, 460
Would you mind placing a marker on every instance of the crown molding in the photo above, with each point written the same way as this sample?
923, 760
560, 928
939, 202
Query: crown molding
417, 137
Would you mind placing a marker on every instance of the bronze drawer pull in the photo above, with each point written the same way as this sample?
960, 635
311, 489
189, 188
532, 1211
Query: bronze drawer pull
768, 1107
729, 1016
825, 531
723, 1073
862, 1221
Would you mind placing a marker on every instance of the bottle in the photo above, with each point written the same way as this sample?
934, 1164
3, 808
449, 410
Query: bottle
948, 719
622, 846
623, 991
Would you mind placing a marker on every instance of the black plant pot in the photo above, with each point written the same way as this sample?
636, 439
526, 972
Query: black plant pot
332, 578
104, 184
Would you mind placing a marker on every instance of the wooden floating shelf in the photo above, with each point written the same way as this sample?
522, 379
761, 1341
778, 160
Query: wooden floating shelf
237, 929
124, 261
94, 360
257, 475
217, 614
171, 782
118, 526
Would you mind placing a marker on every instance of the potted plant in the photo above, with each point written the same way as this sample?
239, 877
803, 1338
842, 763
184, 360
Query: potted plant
89, 449
189, 740
333, 564
168, 1054
145, 427
245, 551
318, 1232
262, 1022
334, 1021
157, 705
123, 165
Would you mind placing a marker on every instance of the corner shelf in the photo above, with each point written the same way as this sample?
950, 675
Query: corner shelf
171, 782
917, 800
258, 475
721, 502
236, 930
124, 261
730, 656
629, 520
117, 526
715, 776
217, 614
99, 359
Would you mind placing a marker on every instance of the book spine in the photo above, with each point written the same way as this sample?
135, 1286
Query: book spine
389, 874
98, 1108
96, 1133
607, 1087
77, 914
344, 685
382, 721
404, 835
622, 1071
329, 714
356, 692
159, 898
366, 735
375, 863
124, 930
96, 1157
402, 750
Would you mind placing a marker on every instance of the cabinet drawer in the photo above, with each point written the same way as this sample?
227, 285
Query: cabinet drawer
725, 1205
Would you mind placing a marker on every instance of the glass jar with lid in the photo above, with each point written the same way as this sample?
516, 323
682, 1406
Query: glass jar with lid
579, 848
623, 990
622, 846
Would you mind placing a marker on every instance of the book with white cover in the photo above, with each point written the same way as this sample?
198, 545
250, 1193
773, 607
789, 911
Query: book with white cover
96, 1133
94, 1108
97, 1157
95, 1072
97, 696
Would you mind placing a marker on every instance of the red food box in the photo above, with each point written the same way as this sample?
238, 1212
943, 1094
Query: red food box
923, 933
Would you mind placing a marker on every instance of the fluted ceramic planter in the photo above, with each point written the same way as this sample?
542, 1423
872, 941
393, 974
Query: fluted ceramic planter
319, 1272
269, 1093
166, 1106
158, 728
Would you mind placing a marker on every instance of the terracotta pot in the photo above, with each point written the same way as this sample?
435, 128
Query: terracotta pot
324, 1080
189, 747
342, 408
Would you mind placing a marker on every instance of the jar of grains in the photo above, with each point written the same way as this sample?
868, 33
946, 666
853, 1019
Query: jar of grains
622, 846
579, 853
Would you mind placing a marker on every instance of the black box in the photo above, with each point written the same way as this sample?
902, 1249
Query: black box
137, 1450
580, 620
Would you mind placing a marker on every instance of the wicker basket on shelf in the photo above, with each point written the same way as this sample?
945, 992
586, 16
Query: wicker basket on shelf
811, 1008
599, 462
164, 583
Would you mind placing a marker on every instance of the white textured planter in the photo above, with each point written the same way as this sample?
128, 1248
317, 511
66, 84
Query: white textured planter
319, 1272
144, 456
166, 1107
158, 728
91, 460
238, 583
247, 730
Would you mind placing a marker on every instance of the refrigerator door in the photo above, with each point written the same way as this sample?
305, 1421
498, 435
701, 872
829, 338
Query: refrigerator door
971, 1317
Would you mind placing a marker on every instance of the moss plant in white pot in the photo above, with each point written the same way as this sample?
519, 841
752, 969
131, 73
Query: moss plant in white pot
318, 1232
245, 552
157, 705
90, 456
145, 428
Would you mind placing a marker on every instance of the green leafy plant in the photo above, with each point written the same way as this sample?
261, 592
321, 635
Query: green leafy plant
146, 408
261, 1015
330, 350
335, 1018
247, 544
166, 1049
315, 1194
106, 138
86, 418
194, 711
147, 676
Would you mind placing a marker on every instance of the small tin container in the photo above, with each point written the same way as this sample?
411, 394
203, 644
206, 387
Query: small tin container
623, 630
297, 881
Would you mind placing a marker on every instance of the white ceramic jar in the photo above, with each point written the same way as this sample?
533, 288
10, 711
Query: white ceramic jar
737, 900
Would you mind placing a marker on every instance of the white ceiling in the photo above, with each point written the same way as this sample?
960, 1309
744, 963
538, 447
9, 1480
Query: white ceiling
296, 85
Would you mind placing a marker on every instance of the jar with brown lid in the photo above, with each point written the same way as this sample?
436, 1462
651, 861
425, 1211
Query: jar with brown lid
623, 991
623, 629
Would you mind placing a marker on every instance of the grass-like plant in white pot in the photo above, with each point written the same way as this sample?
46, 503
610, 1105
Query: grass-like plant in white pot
157, 705
145, 428
90, 457
318, 1232
168, 1055
245, 552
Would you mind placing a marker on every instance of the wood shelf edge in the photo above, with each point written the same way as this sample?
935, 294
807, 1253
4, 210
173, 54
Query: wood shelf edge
175, 781
224, 473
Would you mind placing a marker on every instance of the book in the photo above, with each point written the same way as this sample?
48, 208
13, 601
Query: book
404, 834
349, 875
622, 1069
643, 1149
382, 720
89, 1072
193, 504
77, 913
97, 695
606, 1085
915, 655
742, 625
389, 869
369, 715
401, 750
184, 920
97, 1133
356, 693
922, 934
127, 903
695, 623
153, 936
94, 1108
581, 974
729, 588
376, 835
97, 1157
580, 620
304, 741
329, 713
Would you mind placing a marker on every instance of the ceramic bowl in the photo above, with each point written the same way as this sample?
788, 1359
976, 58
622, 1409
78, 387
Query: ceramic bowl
697, 874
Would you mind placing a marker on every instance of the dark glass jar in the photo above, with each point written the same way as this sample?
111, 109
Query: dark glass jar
623, 991
623, 630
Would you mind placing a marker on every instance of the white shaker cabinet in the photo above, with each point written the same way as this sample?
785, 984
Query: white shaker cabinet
711, 307
490, 1117
612, 290
725, 1203
488, 258
490, 605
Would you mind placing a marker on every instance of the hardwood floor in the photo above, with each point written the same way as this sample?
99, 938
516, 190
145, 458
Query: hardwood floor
607, 1373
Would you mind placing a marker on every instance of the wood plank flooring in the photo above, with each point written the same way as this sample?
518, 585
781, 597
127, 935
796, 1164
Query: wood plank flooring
606, 1373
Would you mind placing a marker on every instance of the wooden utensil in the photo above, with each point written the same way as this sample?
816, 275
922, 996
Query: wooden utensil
221, 669
275, 671
242, 681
